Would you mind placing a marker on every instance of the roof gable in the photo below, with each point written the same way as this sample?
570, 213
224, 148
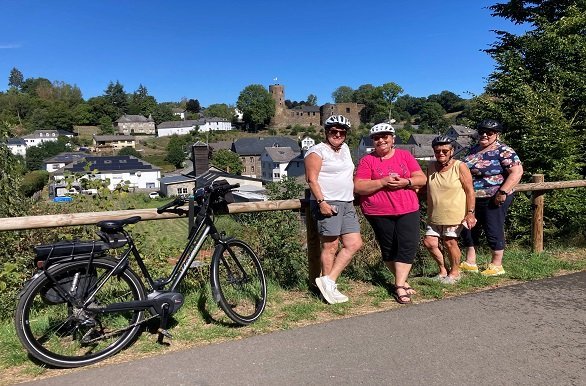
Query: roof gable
256, 146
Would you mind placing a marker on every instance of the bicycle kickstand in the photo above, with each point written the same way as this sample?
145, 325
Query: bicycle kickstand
163, 325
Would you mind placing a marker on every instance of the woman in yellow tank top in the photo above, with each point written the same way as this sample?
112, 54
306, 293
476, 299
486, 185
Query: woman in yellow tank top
450, 206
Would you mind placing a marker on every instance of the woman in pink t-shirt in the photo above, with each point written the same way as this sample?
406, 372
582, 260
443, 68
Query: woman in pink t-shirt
386, 180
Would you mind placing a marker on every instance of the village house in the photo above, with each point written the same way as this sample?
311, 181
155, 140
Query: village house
135, 124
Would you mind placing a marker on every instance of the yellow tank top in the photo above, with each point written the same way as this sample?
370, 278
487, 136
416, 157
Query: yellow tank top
446, 204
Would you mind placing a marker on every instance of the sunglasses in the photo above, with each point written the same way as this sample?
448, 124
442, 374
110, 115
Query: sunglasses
337, 132
442, 151
489, 133
376, 137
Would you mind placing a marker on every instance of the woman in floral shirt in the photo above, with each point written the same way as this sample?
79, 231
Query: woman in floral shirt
495, 169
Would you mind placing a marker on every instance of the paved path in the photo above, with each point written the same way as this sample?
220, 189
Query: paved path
527, 334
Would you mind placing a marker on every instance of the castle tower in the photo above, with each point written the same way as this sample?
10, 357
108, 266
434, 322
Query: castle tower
278, 93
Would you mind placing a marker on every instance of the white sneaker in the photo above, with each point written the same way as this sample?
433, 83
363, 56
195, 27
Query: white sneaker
329, 290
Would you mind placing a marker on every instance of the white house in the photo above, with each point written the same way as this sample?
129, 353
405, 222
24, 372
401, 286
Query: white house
40, 136
215, 124
17, 146
168, 128
274, 162
134, 172
307, 142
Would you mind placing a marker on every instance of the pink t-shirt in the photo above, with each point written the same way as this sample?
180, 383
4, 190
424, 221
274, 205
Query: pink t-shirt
385, 202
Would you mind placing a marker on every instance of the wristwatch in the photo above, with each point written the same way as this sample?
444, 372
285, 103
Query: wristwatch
502, 192
320, 201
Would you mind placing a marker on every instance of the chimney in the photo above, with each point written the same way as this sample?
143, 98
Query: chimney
200, 158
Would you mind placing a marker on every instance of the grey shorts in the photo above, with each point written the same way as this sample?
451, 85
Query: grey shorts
346, 221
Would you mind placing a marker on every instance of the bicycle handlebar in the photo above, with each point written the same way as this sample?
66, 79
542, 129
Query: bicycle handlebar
210, 189
178, 201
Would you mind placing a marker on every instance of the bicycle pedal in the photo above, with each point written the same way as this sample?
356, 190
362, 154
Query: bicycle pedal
165, 333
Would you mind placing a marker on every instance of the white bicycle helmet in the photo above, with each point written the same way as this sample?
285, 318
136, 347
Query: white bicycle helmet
382, 128
337, 120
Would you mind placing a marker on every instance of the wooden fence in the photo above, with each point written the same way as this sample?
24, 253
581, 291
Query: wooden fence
538, 188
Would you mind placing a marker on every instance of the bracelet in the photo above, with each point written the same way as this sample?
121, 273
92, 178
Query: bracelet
320, 201
471, 211
409, 182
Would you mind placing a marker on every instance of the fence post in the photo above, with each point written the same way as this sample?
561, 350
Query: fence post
313, 244
537, 202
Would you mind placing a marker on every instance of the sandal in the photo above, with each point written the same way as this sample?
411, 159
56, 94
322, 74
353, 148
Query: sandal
401, 298
409, 289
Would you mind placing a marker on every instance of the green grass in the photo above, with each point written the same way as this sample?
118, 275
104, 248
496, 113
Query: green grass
200, 321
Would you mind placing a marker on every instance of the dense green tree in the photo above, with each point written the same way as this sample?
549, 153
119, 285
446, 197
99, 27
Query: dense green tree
105, 125
37, 154
257, 105
311, 100
163, 113
219, 110
31, 85
34, 181
99, 108
117, 98
193, 106
141, 103
538, 90
16, 79
176, 150
431, 116
227, 160
448, 100
343, 94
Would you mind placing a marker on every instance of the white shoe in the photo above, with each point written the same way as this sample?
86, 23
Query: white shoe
329, 290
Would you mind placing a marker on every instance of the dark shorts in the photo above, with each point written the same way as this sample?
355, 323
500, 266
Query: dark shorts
397, 236
344, 222
490, 218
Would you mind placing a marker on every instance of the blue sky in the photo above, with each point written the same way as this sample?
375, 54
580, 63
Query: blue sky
211, 50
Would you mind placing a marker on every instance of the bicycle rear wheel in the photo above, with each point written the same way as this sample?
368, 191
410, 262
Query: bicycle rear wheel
60, 333
238, 282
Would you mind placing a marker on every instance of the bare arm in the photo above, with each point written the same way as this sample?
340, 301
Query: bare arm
466, 180
514, 176
313, 164
366, 186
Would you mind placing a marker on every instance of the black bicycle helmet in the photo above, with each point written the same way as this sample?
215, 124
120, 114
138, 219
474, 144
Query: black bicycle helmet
441, 140
489, 125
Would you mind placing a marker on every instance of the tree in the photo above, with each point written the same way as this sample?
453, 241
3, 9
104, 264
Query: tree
176, 151
257, 105
311, 100
227, 160
15, 80
219, 110
448, 100
432, 116
141, 103
538, 90
193, 106
116, 97
37, 154
343, 94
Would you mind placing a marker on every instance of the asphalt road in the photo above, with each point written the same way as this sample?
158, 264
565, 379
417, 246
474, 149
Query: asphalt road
526, 334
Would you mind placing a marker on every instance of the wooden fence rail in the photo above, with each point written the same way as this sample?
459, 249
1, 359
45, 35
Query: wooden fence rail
538, 188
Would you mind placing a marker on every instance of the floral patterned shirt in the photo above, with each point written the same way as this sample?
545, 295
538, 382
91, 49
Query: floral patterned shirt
488, 168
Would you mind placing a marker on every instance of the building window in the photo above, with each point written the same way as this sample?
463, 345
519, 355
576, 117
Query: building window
181, 190
276, 175
251, 159
252, 169
347, 109
244, 169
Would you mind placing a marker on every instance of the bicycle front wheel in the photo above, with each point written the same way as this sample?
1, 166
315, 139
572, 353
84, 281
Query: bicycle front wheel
238, 282
60, 331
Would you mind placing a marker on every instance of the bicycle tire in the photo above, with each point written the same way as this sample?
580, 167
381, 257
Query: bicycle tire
61, 335
238, 282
